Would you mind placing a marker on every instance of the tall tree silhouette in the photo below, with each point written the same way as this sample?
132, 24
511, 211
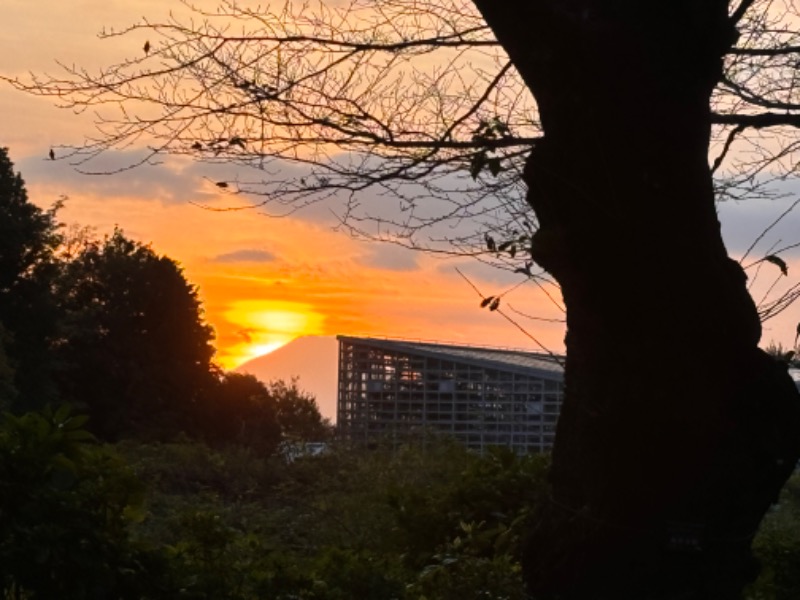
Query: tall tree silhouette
29, 237
135, 349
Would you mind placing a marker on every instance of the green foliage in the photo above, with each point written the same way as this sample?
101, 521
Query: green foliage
351, 523
463, 571
297, 413
212, 558
493, 493
422, 520
65, 504
777, 546
186, 468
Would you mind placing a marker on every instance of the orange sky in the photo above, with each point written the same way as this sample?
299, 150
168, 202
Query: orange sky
263, 280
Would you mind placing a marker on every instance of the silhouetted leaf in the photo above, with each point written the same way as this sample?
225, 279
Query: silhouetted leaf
60, 416
526, 270
777, 260
485, 302
146, 47
482, 126
494, 166
76, 422
501, 127
495, 304
476, 164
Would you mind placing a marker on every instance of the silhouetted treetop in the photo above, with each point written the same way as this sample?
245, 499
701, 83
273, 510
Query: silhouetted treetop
29, 238
136, 350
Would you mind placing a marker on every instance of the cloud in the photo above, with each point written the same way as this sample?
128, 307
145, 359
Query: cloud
743, 224
171, 182
259, 188
246, 255
390, 257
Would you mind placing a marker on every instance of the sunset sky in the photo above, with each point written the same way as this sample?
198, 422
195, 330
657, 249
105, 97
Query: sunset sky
266, 280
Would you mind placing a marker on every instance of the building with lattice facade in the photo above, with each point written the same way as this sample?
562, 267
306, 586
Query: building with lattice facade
480, 396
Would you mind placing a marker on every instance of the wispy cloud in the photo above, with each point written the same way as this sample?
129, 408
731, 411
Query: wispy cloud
245, 256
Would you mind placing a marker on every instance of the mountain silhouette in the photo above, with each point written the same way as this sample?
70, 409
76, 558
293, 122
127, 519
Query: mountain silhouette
313, 359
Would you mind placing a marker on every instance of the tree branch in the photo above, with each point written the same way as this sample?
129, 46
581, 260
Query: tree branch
758, 120
778, 51
727, 146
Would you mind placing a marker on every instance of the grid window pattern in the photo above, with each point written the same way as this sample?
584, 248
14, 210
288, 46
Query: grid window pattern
481, 397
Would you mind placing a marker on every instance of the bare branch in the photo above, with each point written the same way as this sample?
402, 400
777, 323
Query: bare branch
757, 121
407, 117
763, 52
767, 229
726, 147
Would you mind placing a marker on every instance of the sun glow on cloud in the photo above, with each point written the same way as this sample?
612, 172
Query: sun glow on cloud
266, 325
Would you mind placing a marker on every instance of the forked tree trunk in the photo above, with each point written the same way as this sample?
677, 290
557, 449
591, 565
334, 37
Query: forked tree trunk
677, 432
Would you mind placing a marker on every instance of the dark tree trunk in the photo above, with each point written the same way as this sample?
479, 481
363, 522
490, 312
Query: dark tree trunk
677, 432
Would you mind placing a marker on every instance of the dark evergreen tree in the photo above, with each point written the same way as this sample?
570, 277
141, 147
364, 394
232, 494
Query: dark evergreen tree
136, 352
29, 237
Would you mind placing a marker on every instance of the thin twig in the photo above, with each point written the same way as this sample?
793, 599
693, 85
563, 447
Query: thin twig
556, 358
773, 224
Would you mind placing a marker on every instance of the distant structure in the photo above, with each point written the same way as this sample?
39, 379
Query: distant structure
795, 374
480, 396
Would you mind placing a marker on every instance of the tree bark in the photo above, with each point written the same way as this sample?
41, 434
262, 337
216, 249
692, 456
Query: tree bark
676, 432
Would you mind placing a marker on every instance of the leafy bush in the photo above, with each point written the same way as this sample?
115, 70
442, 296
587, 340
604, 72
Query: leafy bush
777, 546
65, 505
351, 523
427, 520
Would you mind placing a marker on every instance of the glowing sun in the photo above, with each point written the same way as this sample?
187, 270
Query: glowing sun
266, 325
